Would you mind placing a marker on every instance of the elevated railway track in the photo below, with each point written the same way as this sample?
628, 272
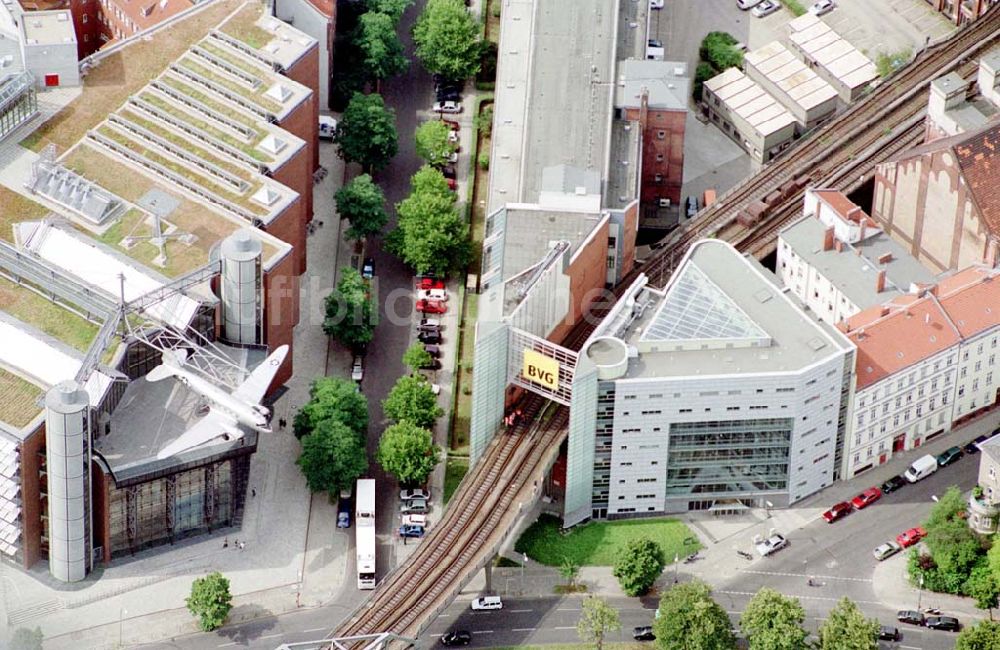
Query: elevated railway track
841, 154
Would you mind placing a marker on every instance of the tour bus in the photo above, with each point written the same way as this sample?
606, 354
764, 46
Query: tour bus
364, 522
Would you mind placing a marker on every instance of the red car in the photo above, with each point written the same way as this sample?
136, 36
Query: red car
431, 307
839, 510
866, 498
911, 537
452, 184
426, 284
453, 125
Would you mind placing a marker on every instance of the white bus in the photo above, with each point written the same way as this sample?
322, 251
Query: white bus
364, 521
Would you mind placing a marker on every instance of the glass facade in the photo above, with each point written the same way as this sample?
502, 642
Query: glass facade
728, 457
18, 103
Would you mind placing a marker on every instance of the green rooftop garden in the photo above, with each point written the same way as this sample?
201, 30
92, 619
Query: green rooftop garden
15, 208
243, 27
18, 400
253, 96
56, 321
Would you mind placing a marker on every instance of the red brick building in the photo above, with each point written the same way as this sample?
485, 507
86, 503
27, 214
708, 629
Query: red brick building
962, 11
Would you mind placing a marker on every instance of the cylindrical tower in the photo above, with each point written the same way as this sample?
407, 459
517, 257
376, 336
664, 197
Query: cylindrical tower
66, 406
242, 288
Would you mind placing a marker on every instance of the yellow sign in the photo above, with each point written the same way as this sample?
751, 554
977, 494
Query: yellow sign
540, 369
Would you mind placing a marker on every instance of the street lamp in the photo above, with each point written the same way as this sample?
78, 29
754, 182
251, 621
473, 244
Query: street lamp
920, 592
121, 623
676, 563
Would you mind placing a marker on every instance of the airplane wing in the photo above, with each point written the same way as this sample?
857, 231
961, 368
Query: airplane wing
253, 389
213, 425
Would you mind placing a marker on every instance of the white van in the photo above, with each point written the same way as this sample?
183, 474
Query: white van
487, 602
921, 468
327, 127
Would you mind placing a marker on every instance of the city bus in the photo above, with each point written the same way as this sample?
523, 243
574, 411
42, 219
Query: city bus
364, 524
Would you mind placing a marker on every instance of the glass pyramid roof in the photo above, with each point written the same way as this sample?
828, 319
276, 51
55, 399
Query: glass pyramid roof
696, 308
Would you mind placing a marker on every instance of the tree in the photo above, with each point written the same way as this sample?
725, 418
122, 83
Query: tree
362, 203
210, 601
639, 564
993, 558
484, 121
334, 398
984, 635
983, 587
408, 452
332, 457
773, 622
846, 628
416, 357
719, 50
412, 400
428, 180
596, 620
350, 317
366, 133
381, 51
689, 618
432, 143
432, 236
954, 547
702, 73
391, 8
447, 39
25, 639
569, 569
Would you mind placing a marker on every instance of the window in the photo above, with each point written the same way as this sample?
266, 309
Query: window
84, 19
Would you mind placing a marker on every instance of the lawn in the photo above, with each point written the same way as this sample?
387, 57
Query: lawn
597, 543
454, 470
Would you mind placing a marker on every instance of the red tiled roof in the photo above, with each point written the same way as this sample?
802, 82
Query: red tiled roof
842, 205
146, 13
979, 159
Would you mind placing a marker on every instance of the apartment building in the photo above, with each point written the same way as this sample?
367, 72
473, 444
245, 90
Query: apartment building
924, 363
962, 11
957, 106
984, 503
838, 262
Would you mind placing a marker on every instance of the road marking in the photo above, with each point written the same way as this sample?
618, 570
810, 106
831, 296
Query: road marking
803, 575
520, 611
226, 645
567, 627
752, 593
568, 609
523, 629
270, 636
315, 629
482, 631
910, 647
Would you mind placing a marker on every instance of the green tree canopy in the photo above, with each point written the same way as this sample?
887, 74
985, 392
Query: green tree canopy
984, 635
953, 545
350, 315
412, 400
408, 452
639, 564
773, 622
428, 180
993, 558
432, 143
362, 203
718, 50
332, 457
597, 619
432, 236
381, 51
25, 639
983, 587
366, 133
210, 601
569, 569
846, 628
689, 618
391, 8
447, 39
330, 397
416, 357
484, 121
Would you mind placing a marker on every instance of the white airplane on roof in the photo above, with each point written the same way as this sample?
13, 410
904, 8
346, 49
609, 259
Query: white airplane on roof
227, 410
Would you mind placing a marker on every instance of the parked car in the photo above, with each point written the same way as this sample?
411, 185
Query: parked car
949, 456
432, 294
921, 468
691, 206
947, 623
766, 8
343, 520
452, 184
886, 550
910, 616
327, 127
429, 337
436, 389
452, 124
416, 506
452, 157
747, 4
429, 329
427, 283
358, 368
431, 307
433, 364
368, 268
893, 484
453, 136
973, 447
448, 172
889, 633
446, 94
643, 633
414, 519
410, 530
429, 322
910, 537
433, 350
487, 602
413, 493
838, 510
447, 107
656, 4
822, 7
772, 544
866, 498
654, 42
458, 637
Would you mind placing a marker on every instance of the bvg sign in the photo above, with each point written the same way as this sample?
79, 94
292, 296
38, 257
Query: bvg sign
540, 369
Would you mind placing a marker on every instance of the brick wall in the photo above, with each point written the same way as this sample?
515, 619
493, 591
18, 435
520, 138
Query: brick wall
31, 500
281, 311
306, 72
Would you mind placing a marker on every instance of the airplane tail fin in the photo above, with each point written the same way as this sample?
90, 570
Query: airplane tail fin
172, 361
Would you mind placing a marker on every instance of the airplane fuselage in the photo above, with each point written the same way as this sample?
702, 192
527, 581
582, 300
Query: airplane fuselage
251, 415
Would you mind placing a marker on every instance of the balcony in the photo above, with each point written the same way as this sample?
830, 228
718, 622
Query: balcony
983, 515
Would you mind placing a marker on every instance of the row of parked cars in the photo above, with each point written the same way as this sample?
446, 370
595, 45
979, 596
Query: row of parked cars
432, 299
761, 8
415, 503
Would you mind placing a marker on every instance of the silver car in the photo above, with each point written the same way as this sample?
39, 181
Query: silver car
766, 8
771, 545
886, 550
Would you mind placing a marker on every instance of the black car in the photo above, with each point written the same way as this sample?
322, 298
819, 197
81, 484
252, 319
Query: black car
889, 633
429, 328
458, 637
368, 270
448, 172
432, 350
947, 623
433, 364
429, 337
973, 447
910, 616
644, 633
893, 484
448, 94
949, 456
